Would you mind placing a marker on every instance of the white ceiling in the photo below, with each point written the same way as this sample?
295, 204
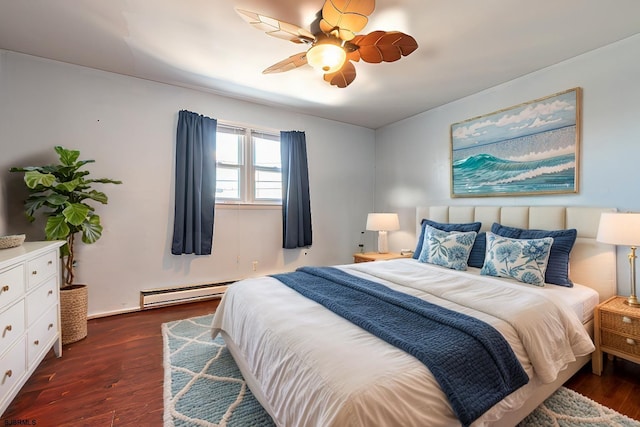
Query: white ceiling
465, 46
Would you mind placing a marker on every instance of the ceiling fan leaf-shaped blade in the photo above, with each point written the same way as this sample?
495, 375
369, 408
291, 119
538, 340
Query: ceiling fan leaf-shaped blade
347, 16
276, 28
343, 77
291, 63
385, 46
353, 56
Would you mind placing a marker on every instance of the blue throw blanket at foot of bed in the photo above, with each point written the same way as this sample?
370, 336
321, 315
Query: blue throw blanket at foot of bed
472, 362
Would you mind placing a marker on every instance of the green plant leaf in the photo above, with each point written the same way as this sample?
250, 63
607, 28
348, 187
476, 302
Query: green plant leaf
56, 199
67, 157
26, 168
56, 228
68, 186
34, 178
32, 204
98, 196
76, 213
81, 163
91, 230
105, 181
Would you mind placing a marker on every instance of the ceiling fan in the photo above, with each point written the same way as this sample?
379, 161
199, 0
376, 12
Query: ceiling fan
335, 42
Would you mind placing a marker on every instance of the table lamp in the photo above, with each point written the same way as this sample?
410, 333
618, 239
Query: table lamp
382, 222
622, 229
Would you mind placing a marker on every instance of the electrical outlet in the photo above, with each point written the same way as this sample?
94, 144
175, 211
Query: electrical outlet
254, 265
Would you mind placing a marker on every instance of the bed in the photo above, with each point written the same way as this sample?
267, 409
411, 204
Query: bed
309, 366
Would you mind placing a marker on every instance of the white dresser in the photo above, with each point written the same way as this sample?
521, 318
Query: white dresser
29, 312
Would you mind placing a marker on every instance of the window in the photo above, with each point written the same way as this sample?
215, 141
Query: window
248, 168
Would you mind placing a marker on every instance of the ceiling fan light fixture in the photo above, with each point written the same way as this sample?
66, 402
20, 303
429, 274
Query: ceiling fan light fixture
326, 56
335, 42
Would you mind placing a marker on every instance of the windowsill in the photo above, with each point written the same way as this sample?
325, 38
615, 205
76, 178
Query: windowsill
240, 205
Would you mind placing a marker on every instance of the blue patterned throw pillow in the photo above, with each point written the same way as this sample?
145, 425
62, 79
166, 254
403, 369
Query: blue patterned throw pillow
446, 249
447, 226
524, 260
563, 241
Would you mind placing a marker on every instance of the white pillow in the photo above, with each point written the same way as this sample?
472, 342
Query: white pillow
524, 260
449, 249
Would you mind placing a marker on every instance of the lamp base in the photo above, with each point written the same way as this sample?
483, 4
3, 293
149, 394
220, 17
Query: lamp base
383, 245
632, 301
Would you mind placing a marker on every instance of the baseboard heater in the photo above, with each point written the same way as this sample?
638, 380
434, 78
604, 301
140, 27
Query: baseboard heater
160, 297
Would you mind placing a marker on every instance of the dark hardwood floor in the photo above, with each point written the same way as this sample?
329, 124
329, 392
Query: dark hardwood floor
114, 377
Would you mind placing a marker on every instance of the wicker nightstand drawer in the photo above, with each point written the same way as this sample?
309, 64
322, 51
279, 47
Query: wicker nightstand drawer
620, 323
617, 332
621, 343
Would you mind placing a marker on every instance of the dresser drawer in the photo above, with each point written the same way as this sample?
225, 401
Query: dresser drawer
41, 299
12, 368
620, 323
624, 344
41, 268
11, 285
11, 325
41, 334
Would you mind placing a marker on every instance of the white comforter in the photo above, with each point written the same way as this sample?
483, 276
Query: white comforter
317, 369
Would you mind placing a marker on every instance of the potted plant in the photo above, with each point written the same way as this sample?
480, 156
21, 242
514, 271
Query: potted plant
63, 192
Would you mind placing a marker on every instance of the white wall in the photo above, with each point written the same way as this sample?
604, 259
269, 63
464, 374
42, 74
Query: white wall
413, 156
128, 126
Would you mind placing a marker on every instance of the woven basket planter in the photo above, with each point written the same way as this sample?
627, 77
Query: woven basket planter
73, 312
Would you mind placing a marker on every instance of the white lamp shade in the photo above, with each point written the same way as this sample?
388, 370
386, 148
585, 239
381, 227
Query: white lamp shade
326, 57
618, 228
383, 222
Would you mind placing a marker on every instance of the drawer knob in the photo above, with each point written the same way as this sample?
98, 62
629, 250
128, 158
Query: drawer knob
37, 342
8, 373
50, 292
5, 288
631, 342
34, 272
50, 262
8, 328
626, 319
50, 326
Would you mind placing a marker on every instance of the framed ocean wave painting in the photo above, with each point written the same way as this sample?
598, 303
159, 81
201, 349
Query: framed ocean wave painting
527, 149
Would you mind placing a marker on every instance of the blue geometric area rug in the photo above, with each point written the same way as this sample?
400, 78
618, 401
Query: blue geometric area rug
566, 408
204, 387
202, 383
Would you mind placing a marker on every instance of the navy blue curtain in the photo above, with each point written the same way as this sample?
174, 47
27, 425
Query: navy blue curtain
296, 204
195, 184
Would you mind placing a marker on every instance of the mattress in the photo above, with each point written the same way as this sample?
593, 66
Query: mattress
581, 299
315, 368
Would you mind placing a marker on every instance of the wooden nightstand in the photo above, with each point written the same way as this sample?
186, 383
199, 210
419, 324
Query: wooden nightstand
375, 256
617, 332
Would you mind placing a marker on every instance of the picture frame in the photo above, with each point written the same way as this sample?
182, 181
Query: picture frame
529, 149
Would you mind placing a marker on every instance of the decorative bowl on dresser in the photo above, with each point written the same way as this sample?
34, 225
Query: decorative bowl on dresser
617, 331
11, 241
29, 312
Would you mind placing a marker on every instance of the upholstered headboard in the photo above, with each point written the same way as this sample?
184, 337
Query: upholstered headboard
591, 263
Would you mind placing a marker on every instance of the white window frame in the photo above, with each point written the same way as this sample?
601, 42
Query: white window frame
246, 168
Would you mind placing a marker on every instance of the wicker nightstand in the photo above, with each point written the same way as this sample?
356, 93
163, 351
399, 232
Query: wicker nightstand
617, 332
375, 256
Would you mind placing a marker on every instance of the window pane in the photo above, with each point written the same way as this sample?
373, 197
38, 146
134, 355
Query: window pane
266, 152
227, 183
268, 185
228, 148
